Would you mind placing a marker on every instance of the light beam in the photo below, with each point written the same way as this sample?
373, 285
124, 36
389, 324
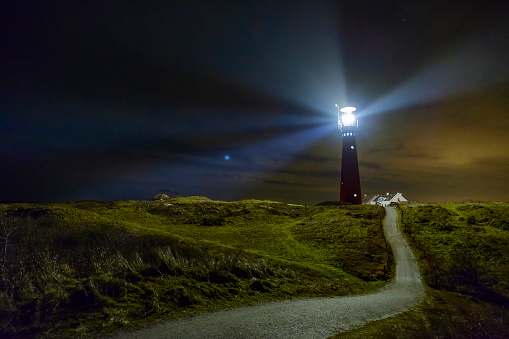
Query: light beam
477, 64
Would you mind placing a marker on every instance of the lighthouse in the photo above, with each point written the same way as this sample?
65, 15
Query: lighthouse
350, 189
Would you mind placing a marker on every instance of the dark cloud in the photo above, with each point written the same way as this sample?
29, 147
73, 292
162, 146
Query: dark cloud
283, 183
115, 100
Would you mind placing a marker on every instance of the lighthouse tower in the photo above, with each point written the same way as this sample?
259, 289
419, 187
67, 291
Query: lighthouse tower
350, 189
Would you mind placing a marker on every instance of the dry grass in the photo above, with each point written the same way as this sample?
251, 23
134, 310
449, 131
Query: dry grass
89, 268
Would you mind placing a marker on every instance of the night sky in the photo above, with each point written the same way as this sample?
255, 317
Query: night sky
122, 100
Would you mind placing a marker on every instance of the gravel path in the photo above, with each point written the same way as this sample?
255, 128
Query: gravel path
309, 318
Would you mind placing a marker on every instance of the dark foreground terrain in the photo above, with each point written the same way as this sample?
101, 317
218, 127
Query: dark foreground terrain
90, 268
87, 269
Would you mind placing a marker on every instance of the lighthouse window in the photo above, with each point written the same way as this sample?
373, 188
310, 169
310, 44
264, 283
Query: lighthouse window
351, 147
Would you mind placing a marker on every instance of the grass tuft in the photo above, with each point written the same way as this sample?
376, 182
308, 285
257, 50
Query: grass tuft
90, 268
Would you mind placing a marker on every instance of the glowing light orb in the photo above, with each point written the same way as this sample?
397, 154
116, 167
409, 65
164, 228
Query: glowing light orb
348, 119
348, 109
226, 157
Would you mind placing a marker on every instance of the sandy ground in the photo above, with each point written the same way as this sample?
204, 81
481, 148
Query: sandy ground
309, 318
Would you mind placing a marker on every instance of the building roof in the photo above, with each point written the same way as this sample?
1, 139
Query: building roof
369, 198
383, 197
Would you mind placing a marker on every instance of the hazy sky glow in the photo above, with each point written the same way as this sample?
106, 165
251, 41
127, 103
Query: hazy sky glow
123, 100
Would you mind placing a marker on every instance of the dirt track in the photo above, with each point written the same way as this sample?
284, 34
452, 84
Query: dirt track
309, 318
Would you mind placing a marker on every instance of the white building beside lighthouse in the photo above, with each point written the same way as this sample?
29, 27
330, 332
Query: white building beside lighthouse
386, 199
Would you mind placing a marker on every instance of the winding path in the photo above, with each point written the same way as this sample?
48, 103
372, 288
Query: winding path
308, 318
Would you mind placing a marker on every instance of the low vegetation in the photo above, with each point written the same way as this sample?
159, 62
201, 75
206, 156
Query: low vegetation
463, 251
442, 314
463, 248
89, 268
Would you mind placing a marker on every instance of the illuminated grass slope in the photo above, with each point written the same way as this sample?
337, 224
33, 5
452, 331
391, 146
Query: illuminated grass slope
89, 268
463, 251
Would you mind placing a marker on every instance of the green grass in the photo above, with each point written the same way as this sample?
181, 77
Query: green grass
464, 247
463, 251
442, 314
89, 268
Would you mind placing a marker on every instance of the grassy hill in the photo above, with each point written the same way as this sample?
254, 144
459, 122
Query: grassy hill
88, 268
463, 251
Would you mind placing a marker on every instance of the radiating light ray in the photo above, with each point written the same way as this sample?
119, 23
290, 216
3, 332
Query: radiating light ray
270, 156
292, 144
223, 179
475, 65
309, 73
